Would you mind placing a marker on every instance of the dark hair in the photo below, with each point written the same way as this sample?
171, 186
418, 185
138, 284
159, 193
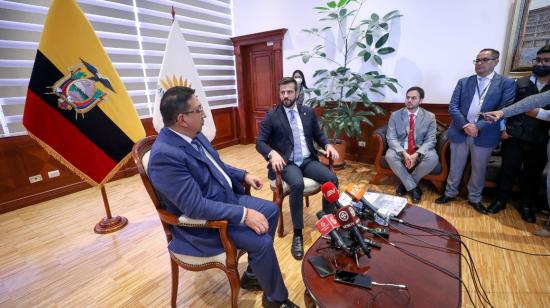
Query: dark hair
287, 80
544, 49
494, 53
175, 101
419, 89
303, 78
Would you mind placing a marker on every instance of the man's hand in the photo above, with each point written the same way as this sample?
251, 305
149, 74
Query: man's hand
332, 153
493, 116
277, 161
471, 130
253, 181
407, 160
256, 221
504, 135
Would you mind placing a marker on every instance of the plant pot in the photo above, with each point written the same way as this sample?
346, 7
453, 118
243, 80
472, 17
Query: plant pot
340, 163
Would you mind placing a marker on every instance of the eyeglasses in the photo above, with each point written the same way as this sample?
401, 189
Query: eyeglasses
198, 110
545, 61
484, 60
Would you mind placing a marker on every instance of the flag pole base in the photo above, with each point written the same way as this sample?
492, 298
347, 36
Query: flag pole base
109, 225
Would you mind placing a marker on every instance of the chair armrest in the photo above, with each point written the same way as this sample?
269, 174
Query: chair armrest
379, 135
442, 148
279, 177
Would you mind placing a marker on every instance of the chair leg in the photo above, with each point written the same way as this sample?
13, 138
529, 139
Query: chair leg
234, 283
279, 202
175, 280
439, 186
307, 201
377, 178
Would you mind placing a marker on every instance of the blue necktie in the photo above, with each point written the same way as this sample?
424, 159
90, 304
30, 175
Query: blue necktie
298, 156
199, 148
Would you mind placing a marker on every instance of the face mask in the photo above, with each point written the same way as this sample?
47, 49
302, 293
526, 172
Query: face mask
298, 80
541, 71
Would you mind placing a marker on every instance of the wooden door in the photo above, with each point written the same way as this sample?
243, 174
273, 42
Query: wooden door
259, 65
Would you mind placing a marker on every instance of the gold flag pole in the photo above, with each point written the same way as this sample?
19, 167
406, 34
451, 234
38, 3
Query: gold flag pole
109, 224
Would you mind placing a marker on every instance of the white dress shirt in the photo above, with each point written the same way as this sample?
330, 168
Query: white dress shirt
477, 101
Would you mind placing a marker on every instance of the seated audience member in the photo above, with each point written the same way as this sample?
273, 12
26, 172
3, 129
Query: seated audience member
523, 143
298, 75
286, 140
192, 180
482, 92
411, 139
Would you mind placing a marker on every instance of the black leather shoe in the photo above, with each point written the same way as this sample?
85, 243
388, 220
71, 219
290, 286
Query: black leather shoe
401, 190
496, 207
276, 304
528, 215
250, 283
297, 248
443, 199
416, 193
478, 206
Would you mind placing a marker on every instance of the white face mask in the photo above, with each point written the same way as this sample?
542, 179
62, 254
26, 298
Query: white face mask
298, 80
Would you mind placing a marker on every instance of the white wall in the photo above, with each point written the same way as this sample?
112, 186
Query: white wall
436, 41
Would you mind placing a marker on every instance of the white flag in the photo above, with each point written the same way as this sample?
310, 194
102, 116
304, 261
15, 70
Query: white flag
178, 69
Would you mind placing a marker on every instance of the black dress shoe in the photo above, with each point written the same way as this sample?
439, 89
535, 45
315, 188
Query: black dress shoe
277, 304
478, 206
250, 283
443, 199
528, 215
496, 207
401, 190
297, 248
416, 193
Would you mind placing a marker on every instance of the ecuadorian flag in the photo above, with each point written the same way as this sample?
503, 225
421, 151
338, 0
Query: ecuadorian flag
77, 107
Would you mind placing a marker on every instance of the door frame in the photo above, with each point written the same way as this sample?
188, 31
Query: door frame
274, 37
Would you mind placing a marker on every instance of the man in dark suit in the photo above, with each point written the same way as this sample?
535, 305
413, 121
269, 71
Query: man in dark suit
192, 181
286, 140
470, 136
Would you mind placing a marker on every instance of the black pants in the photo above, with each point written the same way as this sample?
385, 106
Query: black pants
294, 176
523, 162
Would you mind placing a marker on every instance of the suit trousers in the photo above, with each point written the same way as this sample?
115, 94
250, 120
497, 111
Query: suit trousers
294, 176
410, 179
262, 260
479, 157
523, 161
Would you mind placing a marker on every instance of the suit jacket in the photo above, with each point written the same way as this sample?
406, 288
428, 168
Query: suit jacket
187, 185
424, 130
276, 134
500, 94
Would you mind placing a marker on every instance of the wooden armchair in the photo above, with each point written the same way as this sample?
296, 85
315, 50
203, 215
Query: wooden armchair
438, 176
281, 189
226, 261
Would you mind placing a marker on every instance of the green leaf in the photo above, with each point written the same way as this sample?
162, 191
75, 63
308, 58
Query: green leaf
374, 17
341, 3
331, 4
333, 15
376, 91
392, 87
366, 56
390, 14
293, 56
385, 50
321, 8
351, 91
319, 72
325, 28
369, 38
377, 59
342, 13
361, 45
382, 40
305, 58
384, 26
317, 92
322, 54
393, 17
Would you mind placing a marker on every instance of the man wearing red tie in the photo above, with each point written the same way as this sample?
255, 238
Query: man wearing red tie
411, 140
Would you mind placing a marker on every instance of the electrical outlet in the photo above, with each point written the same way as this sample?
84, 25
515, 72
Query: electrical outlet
53, 174
362, 144
35, 178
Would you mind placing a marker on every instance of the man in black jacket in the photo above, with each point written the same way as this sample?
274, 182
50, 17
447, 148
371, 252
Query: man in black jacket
523, 143
286, 140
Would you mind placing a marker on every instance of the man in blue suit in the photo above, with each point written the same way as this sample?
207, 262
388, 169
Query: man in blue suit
286, 140
469, 134
191, 180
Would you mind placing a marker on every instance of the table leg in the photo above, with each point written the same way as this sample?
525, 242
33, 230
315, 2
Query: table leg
309, 300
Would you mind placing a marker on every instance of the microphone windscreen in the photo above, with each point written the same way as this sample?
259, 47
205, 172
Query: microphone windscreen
326, 224
330, 192
355, 191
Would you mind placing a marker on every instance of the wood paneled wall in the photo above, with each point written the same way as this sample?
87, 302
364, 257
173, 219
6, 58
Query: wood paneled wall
21, 157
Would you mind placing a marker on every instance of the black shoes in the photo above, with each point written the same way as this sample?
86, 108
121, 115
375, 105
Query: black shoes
276, 304
496, 207
443, 199
297, 248
250, 283
528, 215
478, 207
401, 190
416, 194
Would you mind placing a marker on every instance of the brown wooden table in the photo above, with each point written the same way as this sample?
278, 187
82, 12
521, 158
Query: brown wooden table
427, 286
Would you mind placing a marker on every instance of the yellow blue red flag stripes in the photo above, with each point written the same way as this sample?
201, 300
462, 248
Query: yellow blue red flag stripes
77, 107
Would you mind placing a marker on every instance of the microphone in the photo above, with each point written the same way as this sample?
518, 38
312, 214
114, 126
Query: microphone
348, 221
327, 225
358, 194
330, 193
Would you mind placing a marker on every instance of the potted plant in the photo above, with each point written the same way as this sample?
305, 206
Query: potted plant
340, 90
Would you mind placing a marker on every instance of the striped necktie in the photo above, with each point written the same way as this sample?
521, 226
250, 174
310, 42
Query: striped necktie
298, 156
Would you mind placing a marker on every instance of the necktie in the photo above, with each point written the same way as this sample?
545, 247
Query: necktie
199, 148
410, 145
298, 157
